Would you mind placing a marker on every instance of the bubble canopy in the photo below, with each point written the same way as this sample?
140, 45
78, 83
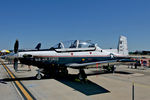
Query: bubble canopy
74, 44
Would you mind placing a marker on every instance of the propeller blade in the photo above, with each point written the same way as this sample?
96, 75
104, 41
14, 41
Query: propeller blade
16, 46
16, 64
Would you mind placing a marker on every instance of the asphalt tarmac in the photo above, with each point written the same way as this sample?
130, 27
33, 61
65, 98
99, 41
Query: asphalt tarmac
99, 86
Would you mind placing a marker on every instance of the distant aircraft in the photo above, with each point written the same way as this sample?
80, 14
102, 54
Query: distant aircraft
75, 54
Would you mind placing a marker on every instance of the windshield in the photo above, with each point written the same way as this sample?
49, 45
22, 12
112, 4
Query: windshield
74, 44
85, 44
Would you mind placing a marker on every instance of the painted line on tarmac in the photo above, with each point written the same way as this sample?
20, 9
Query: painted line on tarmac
21, 88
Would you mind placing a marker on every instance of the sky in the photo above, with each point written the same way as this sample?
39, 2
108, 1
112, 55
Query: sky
52, 21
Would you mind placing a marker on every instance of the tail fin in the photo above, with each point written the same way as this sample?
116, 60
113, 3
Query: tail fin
123, 46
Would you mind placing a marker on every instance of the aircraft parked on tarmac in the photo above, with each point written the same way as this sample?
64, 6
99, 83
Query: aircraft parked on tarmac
75, 54
4, 52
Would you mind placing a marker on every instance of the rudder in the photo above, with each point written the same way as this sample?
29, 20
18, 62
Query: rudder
123, 46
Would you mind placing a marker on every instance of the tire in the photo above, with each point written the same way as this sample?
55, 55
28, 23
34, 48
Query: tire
80, 76
38, 76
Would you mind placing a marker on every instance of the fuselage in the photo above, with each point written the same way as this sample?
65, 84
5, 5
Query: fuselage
66, 53
75, 56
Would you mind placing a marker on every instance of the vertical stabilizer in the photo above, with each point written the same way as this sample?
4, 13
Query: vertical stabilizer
123, 46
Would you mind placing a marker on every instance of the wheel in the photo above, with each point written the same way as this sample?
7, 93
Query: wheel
38, 76
80, 76
112, 69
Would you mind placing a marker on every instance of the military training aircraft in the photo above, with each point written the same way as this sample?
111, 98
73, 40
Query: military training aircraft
75, 54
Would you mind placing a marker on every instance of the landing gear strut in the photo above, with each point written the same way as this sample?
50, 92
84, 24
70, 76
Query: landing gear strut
38, 75
82, 76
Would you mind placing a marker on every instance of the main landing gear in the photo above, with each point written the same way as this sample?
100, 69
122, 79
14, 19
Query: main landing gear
82, 76
109, 68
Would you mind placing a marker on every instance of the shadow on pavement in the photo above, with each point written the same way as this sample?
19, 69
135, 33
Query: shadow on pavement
88, 88
18, 79
104, 72
3, 82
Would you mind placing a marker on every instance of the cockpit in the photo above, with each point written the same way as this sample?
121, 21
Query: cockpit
74, 44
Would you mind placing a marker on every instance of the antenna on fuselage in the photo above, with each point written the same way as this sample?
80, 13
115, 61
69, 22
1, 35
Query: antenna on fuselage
38, 46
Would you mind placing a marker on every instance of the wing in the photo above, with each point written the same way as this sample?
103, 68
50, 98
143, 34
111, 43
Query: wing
78, 65
110, 62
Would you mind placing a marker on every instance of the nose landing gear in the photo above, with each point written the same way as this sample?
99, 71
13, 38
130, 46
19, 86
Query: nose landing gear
39, 75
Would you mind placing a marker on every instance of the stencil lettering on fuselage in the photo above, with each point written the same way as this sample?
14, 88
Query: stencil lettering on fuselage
54, 59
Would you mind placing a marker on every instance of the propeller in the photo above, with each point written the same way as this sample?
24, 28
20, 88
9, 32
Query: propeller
16, 64
16, 46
